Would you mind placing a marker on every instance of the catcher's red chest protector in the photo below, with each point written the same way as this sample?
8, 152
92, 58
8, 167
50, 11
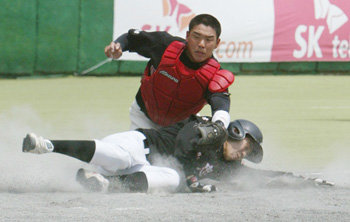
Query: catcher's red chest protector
174, 92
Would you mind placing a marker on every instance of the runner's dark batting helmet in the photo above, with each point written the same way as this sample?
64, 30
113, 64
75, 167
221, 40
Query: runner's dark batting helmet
238, 129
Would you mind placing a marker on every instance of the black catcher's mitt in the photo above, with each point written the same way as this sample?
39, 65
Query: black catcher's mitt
211, 133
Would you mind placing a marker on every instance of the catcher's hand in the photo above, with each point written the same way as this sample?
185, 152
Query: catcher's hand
113, 50
211, 133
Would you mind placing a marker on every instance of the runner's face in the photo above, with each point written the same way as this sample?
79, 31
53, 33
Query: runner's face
201, 42
236, 150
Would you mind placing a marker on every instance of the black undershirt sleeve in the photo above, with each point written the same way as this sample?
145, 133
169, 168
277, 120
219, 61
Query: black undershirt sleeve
123, 41
147, 44
219, 101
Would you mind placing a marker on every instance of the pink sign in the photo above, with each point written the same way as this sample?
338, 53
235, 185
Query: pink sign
311, 30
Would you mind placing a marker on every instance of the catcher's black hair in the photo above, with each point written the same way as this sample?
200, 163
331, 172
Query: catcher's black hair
207, 20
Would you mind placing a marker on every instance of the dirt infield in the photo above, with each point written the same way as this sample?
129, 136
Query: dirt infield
43, 188
273, 204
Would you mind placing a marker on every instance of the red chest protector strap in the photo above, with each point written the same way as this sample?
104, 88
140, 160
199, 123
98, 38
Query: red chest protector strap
172, 53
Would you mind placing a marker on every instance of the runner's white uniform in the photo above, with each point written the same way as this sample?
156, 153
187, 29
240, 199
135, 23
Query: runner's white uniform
125, 153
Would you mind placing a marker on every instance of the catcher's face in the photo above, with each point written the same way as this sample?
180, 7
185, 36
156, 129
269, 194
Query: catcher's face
236, 149
201, 42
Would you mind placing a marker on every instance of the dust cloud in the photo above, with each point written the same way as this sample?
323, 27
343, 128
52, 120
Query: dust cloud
338, 169
24, 172
42, 187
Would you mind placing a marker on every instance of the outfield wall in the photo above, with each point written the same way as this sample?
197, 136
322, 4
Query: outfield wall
47, 37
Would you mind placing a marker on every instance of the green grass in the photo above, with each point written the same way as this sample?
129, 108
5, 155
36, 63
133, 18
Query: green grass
305, 119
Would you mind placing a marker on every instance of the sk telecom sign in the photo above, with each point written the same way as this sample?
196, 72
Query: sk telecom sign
253, 30
311, 30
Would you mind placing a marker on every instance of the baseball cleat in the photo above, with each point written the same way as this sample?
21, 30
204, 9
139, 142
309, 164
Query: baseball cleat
36, 144
92, 181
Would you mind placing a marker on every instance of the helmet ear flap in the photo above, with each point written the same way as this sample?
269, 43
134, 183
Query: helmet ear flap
236, 131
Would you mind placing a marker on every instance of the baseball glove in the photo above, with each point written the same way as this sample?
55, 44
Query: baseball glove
211, 133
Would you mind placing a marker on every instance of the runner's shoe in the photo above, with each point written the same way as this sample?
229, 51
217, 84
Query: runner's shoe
92, 181
36, 144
